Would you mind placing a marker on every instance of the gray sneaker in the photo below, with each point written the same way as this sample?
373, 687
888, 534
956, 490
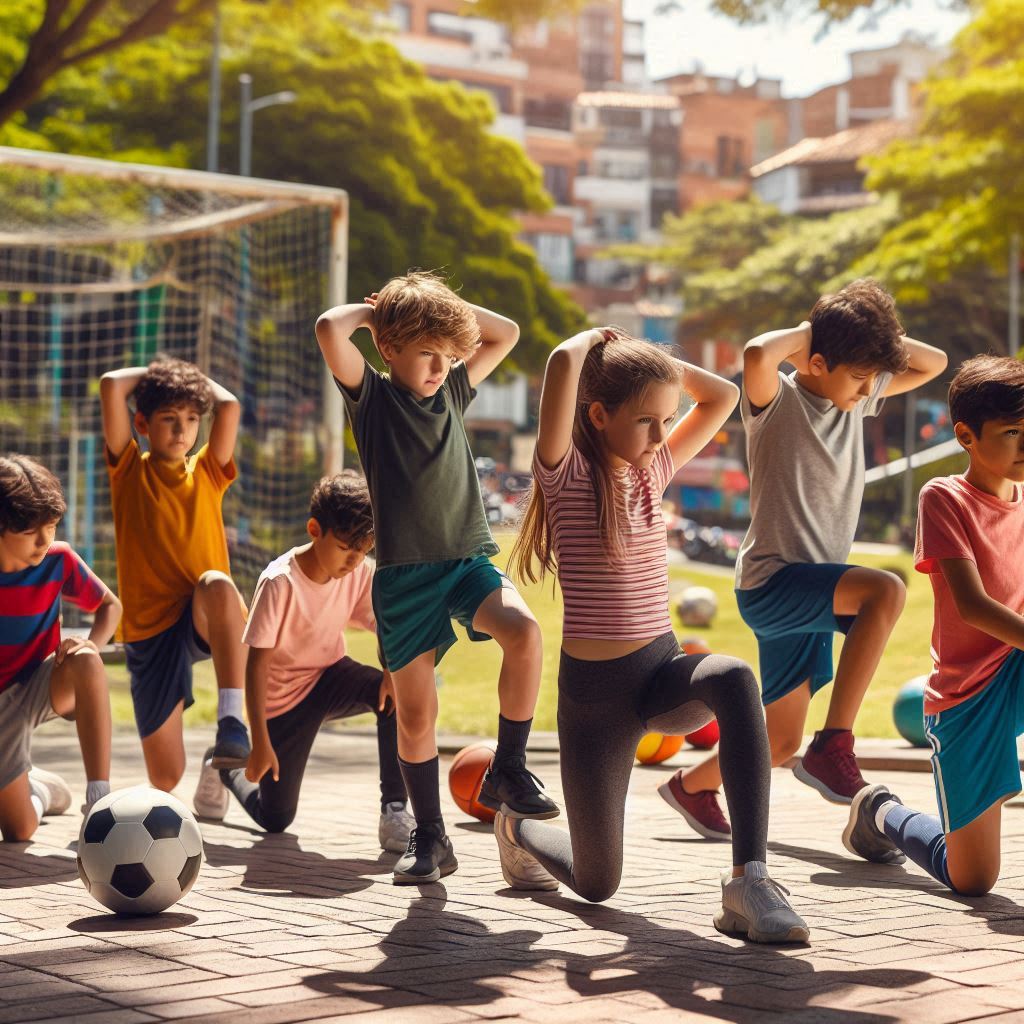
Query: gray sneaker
212, 797
862, 836
396, 823
520, 869
755, 907
51, 789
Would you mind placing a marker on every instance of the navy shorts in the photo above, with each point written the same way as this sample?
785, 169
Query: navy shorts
975, 763
161, 671
415, 604
793, 619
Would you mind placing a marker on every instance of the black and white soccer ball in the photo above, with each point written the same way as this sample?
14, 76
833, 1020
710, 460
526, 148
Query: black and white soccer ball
697, 606
139, 851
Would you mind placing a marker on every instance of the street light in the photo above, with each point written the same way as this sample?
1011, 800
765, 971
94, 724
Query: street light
249, 106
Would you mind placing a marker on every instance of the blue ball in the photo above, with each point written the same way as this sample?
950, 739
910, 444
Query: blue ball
908, 712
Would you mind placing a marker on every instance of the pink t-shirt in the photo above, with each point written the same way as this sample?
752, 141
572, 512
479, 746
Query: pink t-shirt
304, 622
957, 520
605, 601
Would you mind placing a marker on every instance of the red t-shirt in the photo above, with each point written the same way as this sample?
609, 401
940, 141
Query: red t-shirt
957, 520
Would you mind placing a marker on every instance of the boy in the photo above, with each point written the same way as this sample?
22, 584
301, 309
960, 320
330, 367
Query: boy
42, 676
180, 604
970, 537
297, 675
805, 449
432, 539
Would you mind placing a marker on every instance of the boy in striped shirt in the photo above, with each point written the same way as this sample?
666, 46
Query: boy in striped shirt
42, 676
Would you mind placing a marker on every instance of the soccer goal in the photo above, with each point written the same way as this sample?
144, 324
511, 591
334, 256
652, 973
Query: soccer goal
105, 264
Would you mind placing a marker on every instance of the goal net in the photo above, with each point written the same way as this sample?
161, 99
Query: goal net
104, 265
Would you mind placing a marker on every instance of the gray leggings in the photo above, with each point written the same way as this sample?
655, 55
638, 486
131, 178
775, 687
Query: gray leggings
604, 708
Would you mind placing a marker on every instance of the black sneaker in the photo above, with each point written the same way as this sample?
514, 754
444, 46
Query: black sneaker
862, 836
429, 857
510, 787
232, 747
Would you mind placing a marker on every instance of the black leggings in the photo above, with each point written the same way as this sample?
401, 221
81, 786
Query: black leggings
345, 689
604, 708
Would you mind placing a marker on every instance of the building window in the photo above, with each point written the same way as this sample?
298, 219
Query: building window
451, 26
401, 16
731, 162
556, 181
553, 114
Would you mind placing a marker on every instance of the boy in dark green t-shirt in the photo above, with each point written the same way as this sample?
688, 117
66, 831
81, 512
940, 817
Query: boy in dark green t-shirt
432, 539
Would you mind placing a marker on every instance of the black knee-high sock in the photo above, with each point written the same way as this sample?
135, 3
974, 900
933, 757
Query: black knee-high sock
421, 780
512, 737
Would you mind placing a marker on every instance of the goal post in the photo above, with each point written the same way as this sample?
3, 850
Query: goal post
104, 264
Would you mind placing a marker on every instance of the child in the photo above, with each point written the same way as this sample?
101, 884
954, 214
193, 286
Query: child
297, 675
606, 450
42, 676
180, 604
805, 448
432, 538
970, 538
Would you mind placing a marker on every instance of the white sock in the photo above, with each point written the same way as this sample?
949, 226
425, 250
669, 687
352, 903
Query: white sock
880, 814
230, 703
40, 796
96, 790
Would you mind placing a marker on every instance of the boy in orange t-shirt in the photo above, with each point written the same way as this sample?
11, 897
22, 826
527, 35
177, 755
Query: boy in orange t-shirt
180, 603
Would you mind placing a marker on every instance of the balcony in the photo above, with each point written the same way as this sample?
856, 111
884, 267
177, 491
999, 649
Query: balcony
615, 192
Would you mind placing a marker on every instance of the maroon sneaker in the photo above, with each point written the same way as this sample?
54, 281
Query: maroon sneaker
833, 769
700, 810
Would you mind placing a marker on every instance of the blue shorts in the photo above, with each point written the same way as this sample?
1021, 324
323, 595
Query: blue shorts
414, 605
161, 671
793, 619
975, 747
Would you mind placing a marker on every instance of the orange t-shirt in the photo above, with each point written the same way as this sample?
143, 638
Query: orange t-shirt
168, 531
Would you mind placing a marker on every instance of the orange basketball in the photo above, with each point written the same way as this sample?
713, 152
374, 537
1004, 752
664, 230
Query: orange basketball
466, 776
694, 645
655, 748
705, 737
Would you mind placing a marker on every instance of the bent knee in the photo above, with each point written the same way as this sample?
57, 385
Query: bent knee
415, 721
276, 823
165, 780
18, 833
597, 890
85, 666
783, 748
217, 586
889, 593
979, 880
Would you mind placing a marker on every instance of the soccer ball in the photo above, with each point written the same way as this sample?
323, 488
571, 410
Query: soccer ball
139, 851
697, 606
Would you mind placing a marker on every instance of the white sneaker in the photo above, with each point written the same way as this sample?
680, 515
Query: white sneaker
755, 907
519, 868
212, 796
395, 825
52, 790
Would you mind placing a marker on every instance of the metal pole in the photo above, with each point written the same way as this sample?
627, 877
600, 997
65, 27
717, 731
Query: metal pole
213, 115
245, 126
333, 407
909, 422
1013, 337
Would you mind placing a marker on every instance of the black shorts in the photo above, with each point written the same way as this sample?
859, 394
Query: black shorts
161, 671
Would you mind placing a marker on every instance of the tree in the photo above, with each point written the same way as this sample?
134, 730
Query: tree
429, 184
958, 182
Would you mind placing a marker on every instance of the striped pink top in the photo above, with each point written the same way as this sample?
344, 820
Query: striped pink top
605, 601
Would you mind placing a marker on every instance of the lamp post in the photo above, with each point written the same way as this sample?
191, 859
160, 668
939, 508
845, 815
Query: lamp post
249, 106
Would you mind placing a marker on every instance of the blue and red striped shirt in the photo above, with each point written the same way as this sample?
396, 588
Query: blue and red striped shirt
30, 609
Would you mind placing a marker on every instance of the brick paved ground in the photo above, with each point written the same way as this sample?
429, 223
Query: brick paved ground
307, 926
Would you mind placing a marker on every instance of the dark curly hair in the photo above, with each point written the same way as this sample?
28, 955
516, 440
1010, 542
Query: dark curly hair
987, 388
169, 382
858, 326
30, 495
341, 505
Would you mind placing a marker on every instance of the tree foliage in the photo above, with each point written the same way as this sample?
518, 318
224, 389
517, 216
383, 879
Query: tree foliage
958, 183
429, 185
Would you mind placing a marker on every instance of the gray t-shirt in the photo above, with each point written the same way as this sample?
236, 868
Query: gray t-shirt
419, 470
806, 460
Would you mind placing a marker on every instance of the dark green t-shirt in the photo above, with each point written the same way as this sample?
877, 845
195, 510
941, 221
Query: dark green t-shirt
419, 469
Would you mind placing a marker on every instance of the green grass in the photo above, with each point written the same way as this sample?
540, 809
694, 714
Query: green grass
468, 674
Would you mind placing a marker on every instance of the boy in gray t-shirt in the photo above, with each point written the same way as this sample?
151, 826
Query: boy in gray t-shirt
805, 448
432, 540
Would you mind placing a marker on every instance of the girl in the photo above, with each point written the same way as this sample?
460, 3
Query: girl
606, 451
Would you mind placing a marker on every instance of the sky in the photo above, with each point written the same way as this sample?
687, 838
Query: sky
780, 49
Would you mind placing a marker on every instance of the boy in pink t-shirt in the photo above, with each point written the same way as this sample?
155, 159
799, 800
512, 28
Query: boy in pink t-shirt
298, 675
970, 540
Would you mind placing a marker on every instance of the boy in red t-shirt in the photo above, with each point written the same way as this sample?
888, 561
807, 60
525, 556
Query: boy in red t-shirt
970, 537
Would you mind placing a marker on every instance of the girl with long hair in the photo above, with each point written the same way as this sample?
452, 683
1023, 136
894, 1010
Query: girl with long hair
609, 442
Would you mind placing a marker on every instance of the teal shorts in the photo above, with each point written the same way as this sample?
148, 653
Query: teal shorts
974, 743
414, 605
